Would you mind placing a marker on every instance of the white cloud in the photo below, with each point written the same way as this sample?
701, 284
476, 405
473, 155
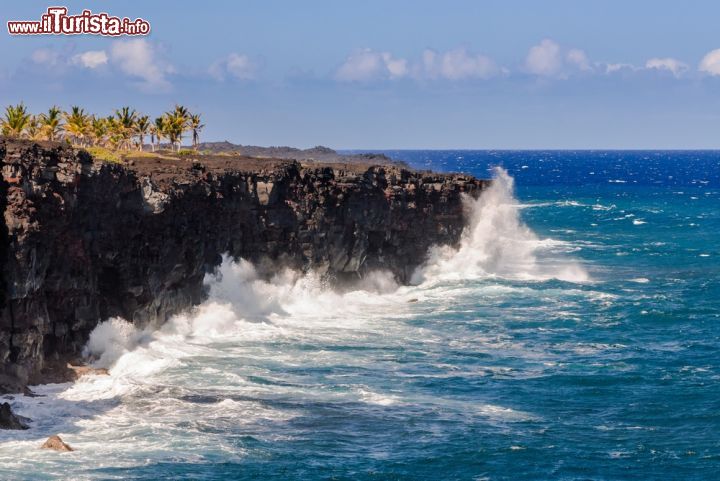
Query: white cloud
544, 59
457, 64
579, 59
611, 68
549, 59
234, 65
90, 59
240, 66
47, 56
366, 64
710, 63
362, 65
670, 64
138, 58
396, 67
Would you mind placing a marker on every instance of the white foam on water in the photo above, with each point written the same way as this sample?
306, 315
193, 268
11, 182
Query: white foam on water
499, 413
369, 396
569, 203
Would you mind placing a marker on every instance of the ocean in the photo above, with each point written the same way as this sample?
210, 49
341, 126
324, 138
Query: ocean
574, 335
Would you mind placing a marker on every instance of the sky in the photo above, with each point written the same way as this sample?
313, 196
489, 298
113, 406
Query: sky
393, 74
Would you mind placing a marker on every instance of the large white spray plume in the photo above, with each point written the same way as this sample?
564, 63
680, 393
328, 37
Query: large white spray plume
496, 243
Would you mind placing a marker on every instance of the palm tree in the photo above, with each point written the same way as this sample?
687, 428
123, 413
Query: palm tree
195, 127
182, 116
125, 126
173, 127
99, 128
142, 128
159, 129
120, 130
50, 123
77, 125
15, 121
34, 128
114, 132
182, 112
152, 131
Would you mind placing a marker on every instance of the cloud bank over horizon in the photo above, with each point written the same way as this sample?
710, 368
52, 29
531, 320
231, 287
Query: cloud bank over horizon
143, 63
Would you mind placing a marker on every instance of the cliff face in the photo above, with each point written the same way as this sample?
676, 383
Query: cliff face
83, 241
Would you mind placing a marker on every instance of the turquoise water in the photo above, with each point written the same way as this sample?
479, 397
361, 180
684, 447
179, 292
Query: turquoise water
573, 336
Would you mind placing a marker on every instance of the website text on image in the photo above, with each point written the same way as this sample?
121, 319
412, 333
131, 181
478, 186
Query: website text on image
56, 21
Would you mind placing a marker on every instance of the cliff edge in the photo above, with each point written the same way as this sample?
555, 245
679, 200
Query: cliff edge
85, 240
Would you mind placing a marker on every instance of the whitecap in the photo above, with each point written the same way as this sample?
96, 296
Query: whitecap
500, 413
603, 207
371, 397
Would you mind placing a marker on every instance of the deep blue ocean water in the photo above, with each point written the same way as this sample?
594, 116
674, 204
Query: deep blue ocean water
574, 336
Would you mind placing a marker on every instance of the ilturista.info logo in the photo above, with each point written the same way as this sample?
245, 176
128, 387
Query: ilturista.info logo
56, 21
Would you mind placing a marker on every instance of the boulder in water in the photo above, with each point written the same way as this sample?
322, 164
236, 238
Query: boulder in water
55, 443
9, 420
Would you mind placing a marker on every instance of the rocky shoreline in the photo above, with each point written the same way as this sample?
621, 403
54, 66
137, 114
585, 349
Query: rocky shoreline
85, 240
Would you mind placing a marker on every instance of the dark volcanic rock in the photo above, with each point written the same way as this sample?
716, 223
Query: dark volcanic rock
9, 420
84, 241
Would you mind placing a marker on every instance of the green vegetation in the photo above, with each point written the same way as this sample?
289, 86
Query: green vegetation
16, 120
101, 153
103, 137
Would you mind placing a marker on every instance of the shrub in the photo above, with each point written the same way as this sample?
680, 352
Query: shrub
183, 152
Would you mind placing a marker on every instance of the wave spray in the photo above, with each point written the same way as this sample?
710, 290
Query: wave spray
496, 243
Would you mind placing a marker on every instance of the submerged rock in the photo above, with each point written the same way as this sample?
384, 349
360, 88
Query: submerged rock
10, 420
56, 443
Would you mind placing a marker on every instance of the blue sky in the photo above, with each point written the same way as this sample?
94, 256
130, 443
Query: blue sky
394, 74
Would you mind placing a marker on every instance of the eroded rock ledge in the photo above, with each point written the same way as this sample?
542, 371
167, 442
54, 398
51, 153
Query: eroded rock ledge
83, 240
